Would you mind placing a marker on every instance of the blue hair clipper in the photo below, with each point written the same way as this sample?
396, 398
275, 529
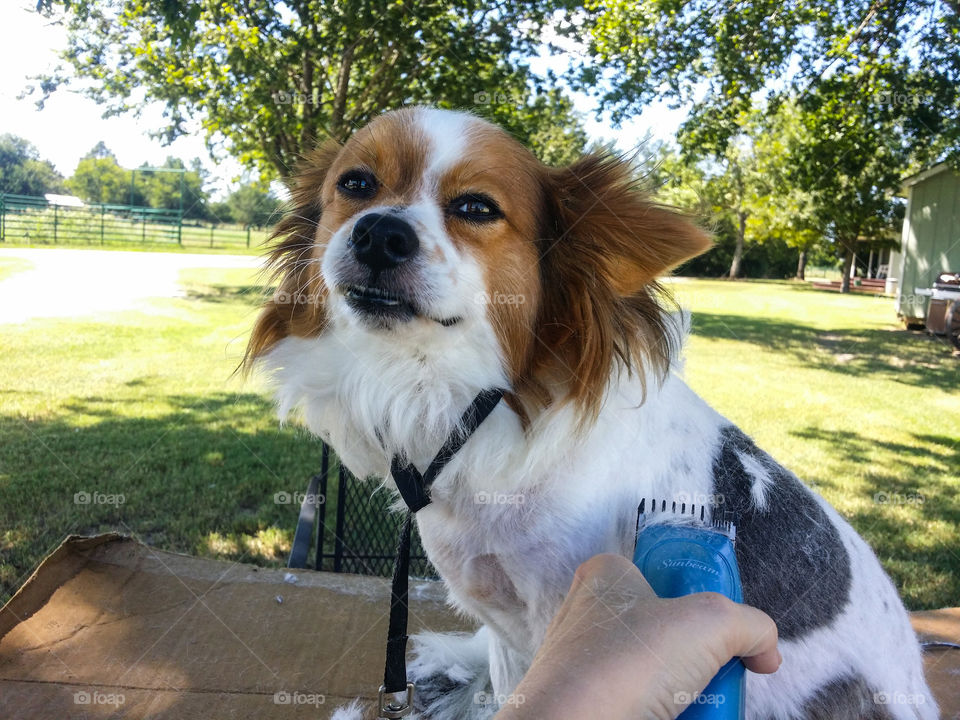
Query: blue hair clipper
679, 553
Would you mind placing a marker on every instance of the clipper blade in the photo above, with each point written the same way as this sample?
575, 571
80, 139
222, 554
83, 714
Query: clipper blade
721, 521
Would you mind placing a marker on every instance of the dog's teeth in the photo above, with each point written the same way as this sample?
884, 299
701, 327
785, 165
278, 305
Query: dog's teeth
369, 293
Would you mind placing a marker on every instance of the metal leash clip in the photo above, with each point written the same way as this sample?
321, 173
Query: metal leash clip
395, 708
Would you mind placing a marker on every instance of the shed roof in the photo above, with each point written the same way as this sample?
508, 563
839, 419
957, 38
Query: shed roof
919, 177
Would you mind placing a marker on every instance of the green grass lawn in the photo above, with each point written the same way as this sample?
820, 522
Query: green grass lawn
864, 411
143, 405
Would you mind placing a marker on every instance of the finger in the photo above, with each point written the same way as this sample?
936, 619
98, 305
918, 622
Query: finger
754, 639
606, 570
765, 663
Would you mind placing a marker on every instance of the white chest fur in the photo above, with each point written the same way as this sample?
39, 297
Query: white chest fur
515, 512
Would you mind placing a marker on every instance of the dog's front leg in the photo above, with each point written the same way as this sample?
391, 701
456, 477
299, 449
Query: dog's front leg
507, 668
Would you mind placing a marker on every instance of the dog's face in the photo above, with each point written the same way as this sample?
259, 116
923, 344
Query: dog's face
419, 211
428, 227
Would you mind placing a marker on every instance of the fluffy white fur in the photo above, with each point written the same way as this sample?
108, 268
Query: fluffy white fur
517, 510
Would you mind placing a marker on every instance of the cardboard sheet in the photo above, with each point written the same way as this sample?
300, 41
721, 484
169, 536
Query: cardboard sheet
108, 627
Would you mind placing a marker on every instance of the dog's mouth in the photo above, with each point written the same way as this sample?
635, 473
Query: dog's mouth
385, 305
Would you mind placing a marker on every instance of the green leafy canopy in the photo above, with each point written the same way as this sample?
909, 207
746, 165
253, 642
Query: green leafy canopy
267, 80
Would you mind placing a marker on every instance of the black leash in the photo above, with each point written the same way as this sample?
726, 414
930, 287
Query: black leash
415, 490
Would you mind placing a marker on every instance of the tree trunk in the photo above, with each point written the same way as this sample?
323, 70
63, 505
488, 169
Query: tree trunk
847, 264
802, 265
738, 251
337, 129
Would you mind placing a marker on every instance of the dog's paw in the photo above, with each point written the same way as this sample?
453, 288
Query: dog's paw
452, 676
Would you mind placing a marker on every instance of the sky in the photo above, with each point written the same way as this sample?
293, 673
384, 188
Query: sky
70, 124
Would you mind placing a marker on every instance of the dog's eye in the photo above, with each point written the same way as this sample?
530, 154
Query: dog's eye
478, 208
357, 184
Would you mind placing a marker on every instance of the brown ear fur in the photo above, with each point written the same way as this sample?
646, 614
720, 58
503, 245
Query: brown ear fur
297, 307
604, 247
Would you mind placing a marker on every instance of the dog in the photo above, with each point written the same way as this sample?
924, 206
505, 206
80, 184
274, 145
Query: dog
432, 256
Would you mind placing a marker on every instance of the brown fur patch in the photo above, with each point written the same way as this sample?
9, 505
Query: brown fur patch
297, 308
395, 147
501, 168
604, 244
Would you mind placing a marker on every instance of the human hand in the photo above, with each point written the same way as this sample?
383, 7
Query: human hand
615, 650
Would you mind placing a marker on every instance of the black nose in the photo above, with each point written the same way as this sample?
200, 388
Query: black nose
382, 241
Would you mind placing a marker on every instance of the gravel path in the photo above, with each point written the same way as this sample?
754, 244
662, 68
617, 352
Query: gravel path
65, 283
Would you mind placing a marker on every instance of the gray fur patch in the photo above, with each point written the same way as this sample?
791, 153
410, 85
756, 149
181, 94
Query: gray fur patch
849, 698
441, 696
793, 564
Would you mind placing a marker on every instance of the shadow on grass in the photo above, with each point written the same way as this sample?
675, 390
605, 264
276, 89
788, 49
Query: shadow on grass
910, 357
202, 479
910, 494
210, 468
250, 294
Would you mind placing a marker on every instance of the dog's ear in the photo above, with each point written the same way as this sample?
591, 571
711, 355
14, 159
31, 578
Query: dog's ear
603, 247
297, 306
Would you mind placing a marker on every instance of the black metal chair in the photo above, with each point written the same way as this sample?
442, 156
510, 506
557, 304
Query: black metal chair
362, 536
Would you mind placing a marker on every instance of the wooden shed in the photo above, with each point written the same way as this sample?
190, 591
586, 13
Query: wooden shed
931, 237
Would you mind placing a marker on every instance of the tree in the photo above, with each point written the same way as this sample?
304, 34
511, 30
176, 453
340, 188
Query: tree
694, 187
886, 75
786, 217
99, 179
163, 189
251, 204
100, 151
723, 59
267, 79
724, 189
781, 211
22, 172
849, 154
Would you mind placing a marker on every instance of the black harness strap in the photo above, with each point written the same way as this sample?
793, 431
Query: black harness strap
415, 490
412, 485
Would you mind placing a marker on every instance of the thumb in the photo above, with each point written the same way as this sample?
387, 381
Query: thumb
753, 637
